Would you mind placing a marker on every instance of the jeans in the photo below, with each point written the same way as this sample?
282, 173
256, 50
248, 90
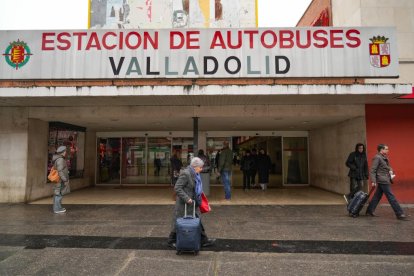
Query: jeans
384, 189
57, 197
225, 178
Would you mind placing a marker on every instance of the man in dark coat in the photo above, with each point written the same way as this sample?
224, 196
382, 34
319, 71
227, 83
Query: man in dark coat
185, 188
358, 170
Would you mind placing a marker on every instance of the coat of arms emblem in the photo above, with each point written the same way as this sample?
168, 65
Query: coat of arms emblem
379, 52
17, 54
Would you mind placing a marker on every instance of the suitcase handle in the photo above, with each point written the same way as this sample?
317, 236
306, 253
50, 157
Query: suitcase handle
185, 210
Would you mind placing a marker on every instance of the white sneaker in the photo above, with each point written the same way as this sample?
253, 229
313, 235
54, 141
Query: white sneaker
63, 210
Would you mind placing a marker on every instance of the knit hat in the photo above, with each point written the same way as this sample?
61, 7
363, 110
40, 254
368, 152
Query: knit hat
61, 149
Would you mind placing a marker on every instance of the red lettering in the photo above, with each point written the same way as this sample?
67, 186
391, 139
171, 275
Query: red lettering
46, 41
178, 35
93, 42
273, 36
148, 38
251, 37
79, 35
215, 43
239, 40
288, 39
121, 41
355, 39
128, 42
308, 39
105, 43
191, 39
319, 36
334, 38
62, 40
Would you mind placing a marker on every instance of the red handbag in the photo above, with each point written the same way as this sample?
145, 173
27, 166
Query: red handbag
204, 207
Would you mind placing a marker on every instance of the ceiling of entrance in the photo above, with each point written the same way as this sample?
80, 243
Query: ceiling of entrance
245, 118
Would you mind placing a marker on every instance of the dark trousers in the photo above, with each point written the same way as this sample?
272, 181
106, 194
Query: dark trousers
253, 177
246, 179
354, 186
385, 189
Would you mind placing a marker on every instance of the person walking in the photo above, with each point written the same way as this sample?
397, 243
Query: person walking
176, 166
188, 189
246, 165
254, 168
382, 176
224, 169
59, 162
264, 164
358, 170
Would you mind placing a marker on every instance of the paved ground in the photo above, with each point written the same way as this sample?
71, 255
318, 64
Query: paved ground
251, 240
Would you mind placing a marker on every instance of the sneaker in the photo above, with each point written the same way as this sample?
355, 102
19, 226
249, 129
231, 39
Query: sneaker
63, 210
346, 199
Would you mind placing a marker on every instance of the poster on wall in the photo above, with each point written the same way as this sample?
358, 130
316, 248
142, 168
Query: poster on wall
139, 14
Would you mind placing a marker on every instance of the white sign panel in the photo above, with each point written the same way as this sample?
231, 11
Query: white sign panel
199, 53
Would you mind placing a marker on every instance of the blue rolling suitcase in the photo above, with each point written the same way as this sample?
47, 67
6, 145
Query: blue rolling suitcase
188, 229
357, 202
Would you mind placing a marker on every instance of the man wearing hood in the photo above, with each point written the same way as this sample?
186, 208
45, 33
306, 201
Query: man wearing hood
59, 162
358, 170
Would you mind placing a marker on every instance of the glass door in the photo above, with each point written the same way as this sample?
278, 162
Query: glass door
108, 167
158, 161
295, 161
133, 161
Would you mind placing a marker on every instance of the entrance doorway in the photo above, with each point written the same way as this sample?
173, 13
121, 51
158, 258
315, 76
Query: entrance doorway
146, 160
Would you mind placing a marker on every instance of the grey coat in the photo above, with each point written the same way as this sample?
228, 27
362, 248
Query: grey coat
185, 189
380, 170
60, 165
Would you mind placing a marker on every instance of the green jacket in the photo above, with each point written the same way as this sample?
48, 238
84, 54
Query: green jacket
225, 160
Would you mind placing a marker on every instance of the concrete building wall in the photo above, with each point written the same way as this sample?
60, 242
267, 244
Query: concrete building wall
371, 13
37, 186
23, 157
329, 148
13, 154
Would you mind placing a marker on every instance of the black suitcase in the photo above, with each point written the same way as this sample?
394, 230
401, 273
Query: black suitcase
188, 230
356, 204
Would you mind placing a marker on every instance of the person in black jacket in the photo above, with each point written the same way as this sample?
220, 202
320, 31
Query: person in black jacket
246, 165
358, 170
264, 165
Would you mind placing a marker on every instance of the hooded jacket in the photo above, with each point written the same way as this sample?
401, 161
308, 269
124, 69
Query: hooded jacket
60, 165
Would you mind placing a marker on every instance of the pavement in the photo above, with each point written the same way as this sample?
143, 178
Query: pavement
113, 239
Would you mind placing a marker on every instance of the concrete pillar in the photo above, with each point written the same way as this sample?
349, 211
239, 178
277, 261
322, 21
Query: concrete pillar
195, 135
13, 154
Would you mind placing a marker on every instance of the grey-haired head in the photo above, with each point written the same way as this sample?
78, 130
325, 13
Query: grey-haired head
196, 162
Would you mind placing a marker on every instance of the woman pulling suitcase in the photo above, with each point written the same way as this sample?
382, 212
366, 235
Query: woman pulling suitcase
189, 188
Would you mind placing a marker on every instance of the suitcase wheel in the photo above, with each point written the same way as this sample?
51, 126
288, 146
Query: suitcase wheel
179, 253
